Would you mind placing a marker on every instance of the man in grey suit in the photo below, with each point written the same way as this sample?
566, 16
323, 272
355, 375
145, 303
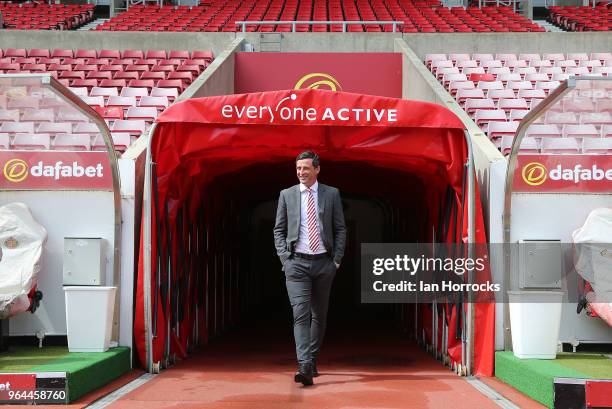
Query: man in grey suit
310, 237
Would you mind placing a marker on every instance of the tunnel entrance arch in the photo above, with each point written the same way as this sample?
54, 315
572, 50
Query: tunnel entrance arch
206, 155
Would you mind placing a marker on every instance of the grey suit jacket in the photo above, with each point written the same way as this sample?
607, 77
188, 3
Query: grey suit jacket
331, 218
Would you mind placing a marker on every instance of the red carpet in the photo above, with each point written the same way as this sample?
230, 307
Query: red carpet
373, 371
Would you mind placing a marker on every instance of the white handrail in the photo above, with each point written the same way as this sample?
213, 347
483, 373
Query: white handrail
294, 23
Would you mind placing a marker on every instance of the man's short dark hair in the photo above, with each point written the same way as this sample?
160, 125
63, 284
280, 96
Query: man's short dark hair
309, 155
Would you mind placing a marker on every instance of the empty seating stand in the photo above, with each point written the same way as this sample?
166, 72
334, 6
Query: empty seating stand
128, 88
497, 91
43, 16
582, 18
417, 15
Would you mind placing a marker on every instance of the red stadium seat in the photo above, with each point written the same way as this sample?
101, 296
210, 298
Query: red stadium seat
113, 83
39, 53
109, 54
178, 84
132, 54
15, 52
110, 112
155, 54
183, 55
58, 53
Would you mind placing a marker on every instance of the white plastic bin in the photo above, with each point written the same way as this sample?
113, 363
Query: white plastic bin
535, 318
89, 317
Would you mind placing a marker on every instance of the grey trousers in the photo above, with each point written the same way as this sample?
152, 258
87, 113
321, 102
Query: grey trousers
309, 283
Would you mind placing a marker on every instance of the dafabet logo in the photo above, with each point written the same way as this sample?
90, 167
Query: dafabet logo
534, 173
15, 170
318, 80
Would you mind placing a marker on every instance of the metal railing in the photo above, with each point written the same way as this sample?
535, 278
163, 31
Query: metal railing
517, 5
294, 23
130, 3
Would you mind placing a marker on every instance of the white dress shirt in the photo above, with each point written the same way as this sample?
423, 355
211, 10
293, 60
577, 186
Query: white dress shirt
303, 242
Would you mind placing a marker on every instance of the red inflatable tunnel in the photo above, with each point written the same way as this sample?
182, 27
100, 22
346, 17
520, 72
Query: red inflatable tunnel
198, 143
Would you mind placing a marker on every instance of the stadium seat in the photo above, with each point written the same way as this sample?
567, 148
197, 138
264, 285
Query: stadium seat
489, 85
160, 103
562, 118
121, 141
183, 55
529, 146
547, 86
597, 146
529, 94
54, 128
119, 84
580, 131
123, 102
483, 117
146, 113
94, 101
134, 92
71, 142
23, 102
114, 54
170, 93
560, 146
471, 105
86, 128
148, 84
15, 52
155, 76
497, 94
517, 114
79, 91
59, 53
17, 127
70, 114
38, 115
31, 141
104, 92
132, 54
512, 104
110, 113
5, 141
595, 118
496, 130
39, 53
133, 127
463, 94
128, 76
543, 131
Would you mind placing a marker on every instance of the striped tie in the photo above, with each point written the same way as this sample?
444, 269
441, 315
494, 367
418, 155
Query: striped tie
311, 213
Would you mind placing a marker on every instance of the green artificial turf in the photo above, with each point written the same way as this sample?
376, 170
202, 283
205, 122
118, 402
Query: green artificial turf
23, 359
592, 364
535, 377
85, 371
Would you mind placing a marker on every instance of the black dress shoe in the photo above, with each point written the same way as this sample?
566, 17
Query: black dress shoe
304, 374
315, 373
